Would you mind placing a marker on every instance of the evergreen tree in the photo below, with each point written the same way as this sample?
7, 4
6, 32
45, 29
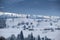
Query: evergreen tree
2, 38
39, 37
18, 37
24, 27
19, 24
13, 37
27, 23
42, 38
27, 16
21, 36
51, 24
34, 38
31, 38
46, 38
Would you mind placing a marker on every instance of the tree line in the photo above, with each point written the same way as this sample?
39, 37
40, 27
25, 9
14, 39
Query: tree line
21, 37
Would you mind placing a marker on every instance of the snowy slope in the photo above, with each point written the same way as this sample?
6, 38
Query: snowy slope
38, 23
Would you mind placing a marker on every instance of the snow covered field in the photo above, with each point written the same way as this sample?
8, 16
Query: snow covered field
45, 26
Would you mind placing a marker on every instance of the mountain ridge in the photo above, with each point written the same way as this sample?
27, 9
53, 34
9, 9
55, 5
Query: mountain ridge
6, 14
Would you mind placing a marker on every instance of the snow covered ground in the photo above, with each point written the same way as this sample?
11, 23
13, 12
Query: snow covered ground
42, 26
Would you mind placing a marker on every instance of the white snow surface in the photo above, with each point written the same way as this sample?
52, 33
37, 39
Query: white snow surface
38, 26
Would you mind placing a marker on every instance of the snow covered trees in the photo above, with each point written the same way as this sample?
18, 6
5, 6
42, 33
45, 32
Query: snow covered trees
2, 38
39, 37
20, 36
13, 37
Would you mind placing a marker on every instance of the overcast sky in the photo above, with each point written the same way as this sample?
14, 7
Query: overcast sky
42, 7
